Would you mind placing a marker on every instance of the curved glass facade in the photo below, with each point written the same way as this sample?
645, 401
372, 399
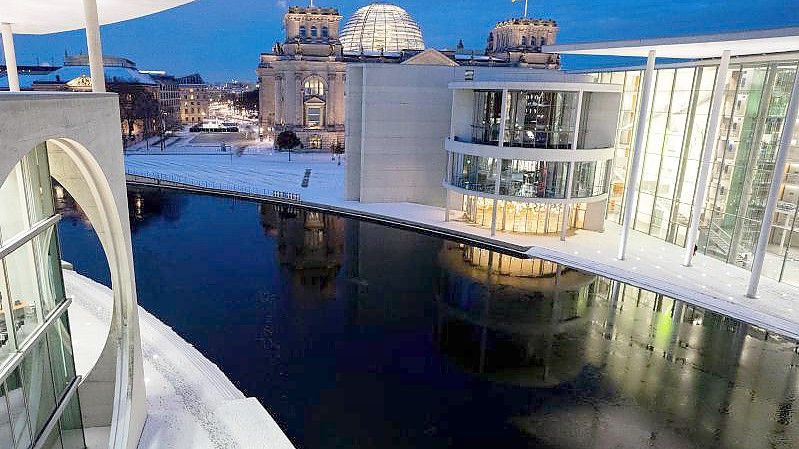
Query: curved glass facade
535, 119
528, 179
381, 27
527, 218
36, 365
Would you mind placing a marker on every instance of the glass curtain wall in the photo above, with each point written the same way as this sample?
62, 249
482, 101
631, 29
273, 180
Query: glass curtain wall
528, 179
541, 119
31, 291
753, 114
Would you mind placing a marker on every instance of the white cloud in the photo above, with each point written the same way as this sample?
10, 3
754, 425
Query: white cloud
282, 4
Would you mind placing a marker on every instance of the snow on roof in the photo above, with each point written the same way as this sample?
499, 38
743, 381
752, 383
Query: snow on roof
112, 75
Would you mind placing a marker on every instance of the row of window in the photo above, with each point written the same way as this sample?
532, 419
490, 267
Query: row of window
535, 119
314, 31
528, 179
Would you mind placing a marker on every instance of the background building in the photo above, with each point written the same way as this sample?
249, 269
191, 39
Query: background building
168, 98
526, 150
138, 92
302, 80
194, 99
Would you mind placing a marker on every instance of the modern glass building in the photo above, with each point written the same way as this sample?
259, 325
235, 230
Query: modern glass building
39, 406
752, 76
531, 155
755, 102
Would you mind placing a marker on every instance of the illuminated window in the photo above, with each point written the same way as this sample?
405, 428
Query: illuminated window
313, 116
314, 87
315, 141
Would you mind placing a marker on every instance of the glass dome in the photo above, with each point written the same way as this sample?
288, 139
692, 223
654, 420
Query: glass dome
381, 27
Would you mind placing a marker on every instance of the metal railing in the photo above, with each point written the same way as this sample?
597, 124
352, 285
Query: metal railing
167, 180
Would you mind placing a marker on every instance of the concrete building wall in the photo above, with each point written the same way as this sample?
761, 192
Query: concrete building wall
402, 119
84, 145
282, 99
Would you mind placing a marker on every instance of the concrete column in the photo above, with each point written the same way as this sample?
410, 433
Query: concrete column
330, 101
94, 46
638, 153
503, 118
279, 120
570, 175
707, 156
299, 112
447, 179
774, 189
10, 56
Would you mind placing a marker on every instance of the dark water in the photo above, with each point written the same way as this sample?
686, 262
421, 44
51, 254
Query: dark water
355, 335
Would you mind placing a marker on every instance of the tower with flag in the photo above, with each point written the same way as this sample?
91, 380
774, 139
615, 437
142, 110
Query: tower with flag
525, 6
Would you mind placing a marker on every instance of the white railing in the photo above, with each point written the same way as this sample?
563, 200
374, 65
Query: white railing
154, 178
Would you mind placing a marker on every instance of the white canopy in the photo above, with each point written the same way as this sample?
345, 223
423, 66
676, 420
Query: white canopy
53, 16
776, 40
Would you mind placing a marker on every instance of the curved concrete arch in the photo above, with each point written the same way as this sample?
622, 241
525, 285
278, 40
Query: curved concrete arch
115, 384
84, 145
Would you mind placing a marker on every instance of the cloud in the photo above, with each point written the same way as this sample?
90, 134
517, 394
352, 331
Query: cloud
282, 4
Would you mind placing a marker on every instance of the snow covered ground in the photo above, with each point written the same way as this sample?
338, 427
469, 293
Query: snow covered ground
256, 171
653, 264
191, 404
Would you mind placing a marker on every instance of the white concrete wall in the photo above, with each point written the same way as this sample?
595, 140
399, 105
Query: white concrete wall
405, 116
85, 144
352, 136
600, 123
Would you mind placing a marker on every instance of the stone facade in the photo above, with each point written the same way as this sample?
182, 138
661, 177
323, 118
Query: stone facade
520, 41
302, 80
194, 99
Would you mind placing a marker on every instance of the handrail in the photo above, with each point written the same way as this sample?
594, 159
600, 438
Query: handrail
187, 181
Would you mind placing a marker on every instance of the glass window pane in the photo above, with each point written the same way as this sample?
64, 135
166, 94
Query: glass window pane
49, 262
59, 342
38, 185
14, 218
19, 414
6, 439
23, 286
72, 425
6, 328
38, 386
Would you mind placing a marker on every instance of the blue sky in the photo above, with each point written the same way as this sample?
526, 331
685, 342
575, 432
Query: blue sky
222, 39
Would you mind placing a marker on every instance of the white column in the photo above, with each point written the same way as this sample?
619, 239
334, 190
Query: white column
93, 44
774, 189
10, 56
503, 118
570, 175
638, 153
447, 179
707, 156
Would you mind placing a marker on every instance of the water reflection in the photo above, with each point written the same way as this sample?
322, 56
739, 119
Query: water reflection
619, 366
425, 343
310, 246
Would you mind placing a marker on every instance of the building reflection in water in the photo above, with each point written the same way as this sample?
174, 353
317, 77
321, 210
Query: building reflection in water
146, 204
609, 365
310, 247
